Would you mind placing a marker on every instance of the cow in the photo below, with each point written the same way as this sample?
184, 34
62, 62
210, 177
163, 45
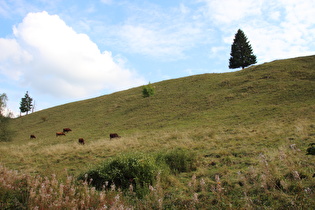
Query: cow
113, 135
32, 136
60, 134
81, 141
66, 130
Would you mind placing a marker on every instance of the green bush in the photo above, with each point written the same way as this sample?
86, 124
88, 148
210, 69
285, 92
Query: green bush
179, 160
311, 150
148, 90
139, 170
136, 170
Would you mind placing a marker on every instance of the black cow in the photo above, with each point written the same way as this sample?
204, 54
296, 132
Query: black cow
81, 141
113, 135
66, 130
32, 136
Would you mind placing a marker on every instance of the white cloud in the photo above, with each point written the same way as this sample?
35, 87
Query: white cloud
12, 53
276, 29
56, 60
290, 36
228, 11
155, 32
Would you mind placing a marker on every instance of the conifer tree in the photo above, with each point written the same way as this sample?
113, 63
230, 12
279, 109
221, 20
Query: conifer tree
241, 52
26, 103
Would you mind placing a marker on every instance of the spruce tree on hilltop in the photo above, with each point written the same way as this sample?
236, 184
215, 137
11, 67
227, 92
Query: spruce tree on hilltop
241, 52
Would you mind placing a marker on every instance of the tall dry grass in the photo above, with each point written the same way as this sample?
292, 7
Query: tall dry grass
279, 180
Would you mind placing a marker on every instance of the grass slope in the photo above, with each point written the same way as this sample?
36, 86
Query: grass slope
230, 114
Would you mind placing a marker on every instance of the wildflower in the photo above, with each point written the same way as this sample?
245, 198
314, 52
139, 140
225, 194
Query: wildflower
117, 197
151, 188
131, 188
203, 184
308, 190
160, 203
102, 196
263, 159
69, 179
93, 190
296, 175
61, 189
217, 178
113, 187
194, 178
196, 197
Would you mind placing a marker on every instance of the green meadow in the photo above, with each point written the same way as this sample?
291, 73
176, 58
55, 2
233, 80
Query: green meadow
248, 131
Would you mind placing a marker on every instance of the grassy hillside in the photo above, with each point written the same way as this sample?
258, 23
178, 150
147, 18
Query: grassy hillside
280, 89
228, 119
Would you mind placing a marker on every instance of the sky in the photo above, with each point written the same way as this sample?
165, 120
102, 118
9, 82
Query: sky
68, 50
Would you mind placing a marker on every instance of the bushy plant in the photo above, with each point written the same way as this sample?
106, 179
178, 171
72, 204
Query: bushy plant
311, 150
148, 90
179, 160
136, 171
14, 190
13, 198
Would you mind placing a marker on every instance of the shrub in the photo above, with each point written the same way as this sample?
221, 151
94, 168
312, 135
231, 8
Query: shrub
132, 170
148, 90
5, 133
11, 199
179, 160
311, 150
14, 190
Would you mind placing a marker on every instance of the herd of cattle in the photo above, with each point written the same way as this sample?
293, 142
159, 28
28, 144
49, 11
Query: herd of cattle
81, 140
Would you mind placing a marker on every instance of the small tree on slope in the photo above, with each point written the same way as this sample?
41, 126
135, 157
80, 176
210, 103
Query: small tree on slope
26, 103
241, 52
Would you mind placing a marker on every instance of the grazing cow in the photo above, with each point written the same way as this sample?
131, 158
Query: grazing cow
66, 130
32, 136
81, 141
113, 135
60, 134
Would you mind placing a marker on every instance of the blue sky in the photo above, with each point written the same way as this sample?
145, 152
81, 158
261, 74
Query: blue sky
68, 50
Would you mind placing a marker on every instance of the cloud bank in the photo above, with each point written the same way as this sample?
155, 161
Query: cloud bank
276, 29
49, 56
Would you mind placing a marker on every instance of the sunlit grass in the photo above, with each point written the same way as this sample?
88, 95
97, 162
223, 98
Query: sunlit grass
237, 123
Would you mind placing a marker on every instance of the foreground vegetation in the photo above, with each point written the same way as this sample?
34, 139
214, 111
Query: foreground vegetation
244, 135
279, 180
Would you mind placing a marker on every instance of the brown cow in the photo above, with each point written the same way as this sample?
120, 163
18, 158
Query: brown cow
81, 141
113, 135
66, 130
32, 136
60, 134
